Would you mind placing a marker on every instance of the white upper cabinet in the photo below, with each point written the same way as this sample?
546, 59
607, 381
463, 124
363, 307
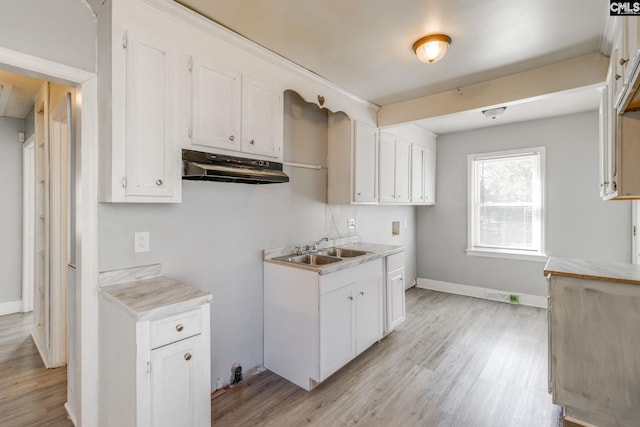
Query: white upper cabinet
352, 161
417, 173
429, 173
142, 166
387, 169
402, 170
262, 118
215, 106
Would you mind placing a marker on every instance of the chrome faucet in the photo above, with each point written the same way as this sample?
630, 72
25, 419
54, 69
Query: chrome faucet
315, 245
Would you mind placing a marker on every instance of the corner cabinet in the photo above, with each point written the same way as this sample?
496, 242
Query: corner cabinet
352, 161
154, 364
139, 159
315, 324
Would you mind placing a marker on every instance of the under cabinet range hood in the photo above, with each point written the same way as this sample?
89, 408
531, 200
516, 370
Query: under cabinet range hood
200, 166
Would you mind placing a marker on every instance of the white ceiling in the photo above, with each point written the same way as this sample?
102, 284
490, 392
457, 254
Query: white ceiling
364, 46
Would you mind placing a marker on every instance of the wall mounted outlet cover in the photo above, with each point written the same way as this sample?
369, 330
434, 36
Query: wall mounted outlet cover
141, 241
351, 223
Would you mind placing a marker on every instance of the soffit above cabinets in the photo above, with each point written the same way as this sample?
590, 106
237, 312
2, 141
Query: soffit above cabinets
364, 46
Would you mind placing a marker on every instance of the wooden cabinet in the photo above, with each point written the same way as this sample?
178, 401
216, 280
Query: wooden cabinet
594, 340
394, 169
154, 364
395, 291
352, 161
315, 324
141, 163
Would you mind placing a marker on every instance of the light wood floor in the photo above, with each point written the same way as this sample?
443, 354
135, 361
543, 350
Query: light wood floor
455, 361
30, 394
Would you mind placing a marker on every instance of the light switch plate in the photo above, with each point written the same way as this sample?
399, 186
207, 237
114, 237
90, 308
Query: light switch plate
141, 241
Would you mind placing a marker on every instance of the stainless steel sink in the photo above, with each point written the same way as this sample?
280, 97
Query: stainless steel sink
342, 252
309, 259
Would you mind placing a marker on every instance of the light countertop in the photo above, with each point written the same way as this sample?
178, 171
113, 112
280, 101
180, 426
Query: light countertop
376, 251
155, 297
595, 270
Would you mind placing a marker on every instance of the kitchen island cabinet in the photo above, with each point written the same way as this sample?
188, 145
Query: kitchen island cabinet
594, 340
155, 354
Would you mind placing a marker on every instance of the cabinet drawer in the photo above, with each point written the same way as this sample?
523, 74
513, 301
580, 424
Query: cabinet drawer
395, 261
175, 328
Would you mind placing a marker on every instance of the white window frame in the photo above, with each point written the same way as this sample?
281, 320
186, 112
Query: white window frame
538, 254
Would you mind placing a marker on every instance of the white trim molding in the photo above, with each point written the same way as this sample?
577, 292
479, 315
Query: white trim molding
10, 307
479, 292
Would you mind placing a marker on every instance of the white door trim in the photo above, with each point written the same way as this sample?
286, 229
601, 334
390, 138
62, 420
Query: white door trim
28, 223
87, 219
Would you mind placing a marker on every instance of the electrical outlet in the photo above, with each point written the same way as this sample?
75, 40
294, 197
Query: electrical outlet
351, 223
141, 241
395, 228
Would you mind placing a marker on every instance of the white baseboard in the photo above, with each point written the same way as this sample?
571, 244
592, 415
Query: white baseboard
70, 414
478, 292
10, 307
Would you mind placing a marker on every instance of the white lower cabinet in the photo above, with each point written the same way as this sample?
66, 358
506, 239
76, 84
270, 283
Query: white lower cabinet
155, 371
315, 324
395, 300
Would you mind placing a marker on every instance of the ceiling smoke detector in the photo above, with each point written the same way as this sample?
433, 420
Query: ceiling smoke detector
494, 113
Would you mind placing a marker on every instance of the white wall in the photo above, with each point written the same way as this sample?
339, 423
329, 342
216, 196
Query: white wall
63, 31
213, 239
579, 223
11, 212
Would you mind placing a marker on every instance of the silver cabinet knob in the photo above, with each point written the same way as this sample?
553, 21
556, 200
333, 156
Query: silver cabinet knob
187, 356
361, 292
351, 298
252, 142
179, 327
624, 61
159, 182
231, 137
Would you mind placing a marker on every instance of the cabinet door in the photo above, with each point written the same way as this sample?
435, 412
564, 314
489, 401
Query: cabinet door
417, 174
179, 395
365, 163
215, 106
149, 124
337, 339
402, 171
387, 165
429, 174
395, 298
368, 313
262, 118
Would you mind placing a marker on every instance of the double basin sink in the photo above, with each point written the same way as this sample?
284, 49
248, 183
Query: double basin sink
322, 256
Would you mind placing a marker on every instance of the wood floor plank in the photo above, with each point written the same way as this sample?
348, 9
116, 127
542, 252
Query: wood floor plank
456, 361
30, 394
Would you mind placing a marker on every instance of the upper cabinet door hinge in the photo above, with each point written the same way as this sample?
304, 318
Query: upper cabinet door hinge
124, 182
190, 64
124, 40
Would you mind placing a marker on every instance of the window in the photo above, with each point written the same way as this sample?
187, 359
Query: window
506, 210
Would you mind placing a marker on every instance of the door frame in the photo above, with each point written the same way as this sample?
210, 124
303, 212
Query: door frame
86, 411
28, 223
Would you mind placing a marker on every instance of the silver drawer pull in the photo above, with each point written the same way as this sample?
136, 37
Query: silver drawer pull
159, 182
179, 327
187, 356
252, 142
231, 137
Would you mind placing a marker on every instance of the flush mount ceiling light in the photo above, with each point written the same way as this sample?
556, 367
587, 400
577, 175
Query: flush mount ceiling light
494, 113
432, 48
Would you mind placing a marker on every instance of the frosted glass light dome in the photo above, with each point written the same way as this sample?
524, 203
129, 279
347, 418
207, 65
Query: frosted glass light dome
432, 48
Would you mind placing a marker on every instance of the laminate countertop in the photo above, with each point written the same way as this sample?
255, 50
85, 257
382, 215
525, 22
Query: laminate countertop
155, 297
375, 251
594, 270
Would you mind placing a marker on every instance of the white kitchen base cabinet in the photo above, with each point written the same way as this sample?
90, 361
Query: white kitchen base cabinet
315, 324
395, 303
154, 355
